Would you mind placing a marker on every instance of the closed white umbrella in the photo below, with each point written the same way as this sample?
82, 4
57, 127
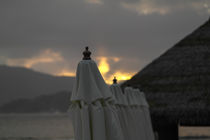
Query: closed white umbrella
121, 106
116, 90
94, 116
147, 119
128, 94
134, 132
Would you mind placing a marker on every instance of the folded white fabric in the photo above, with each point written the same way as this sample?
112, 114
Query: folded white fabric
144, 107
144, 102
120, 98
132, 114
94, 114
122, 108
128, 91
137, 96
89, 85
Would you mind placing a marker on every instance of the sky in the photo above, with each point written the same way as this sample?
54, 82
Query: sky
123, 35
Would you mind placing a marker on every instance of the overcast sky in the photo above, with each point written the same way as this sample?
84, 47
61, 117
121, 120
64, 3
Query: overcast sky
123, 35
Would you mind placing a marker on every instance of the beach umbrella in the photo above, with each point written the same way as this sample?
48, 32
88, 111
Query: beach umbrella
131, 96
144, 106
136, 115
121, 105
92, 104
116, 90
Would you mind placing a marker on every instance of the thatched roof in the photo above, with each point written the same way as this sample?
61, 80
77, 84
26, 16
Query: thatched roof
178, 82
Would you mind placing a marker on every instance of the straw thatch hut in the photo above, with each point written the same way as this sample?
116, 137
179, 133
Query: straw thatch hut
177, 84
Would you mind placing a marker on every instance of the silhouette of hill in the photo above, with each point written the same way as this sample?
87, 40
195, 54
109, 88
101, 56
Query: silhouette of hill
18, 82
57, 102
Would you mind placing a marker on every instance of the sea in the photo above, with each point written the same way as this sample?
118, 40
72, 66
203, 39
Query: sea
53, 126
58, 126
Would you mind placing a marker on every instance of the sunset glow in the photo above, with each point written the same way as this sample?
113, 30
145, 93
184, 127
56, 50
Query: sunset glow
103, 65
108, 75
66, 73
52, 57
121, 76
46, 56
94, 1
105, 69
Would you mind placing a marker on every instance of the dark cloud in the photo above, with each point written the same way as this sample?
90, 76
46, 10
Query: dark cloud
29, 27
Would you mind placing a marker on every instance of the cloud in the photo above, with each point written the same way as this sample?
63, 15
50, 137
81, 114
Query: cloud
94, 1
107, 68
47, 61
108, 72
46, 56
103, 65
146, 7
66, 72
49, 36
120, 75
163, 7
53, 62
200, 6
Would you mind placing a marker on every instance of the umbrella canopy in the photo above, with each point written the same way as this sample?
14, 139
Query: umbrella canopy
122, 108
136, 115
116, 90
131, 96
94, 114
144, 107
90, 85
141, 100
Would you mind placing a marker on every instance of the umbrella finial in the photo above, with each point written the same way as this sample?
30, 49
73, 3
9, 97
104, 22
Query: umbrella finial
86, 54
115, 80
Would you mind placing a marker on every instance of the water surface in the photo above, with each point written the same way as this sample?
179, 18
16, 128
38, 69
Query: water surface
36, 127
59, 127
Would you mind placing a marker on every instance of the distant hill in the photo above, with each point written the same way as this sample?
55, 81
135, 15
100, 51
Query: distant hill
58, 102
18, 82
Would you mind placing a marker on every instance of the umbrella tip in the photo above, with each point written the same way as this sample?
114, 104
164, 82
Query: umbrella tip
115, 80
86, 54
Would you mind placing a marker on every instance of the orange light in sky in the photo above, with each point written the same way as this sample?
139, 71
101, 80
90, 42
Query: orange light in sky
103, 65
121, 76
104, 68
49, 56
46, 56
66, 73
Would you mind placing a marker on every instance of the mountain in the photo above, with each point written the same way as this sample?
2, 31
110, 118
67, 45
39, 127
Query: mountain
58, 102
19, 82
178, 82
